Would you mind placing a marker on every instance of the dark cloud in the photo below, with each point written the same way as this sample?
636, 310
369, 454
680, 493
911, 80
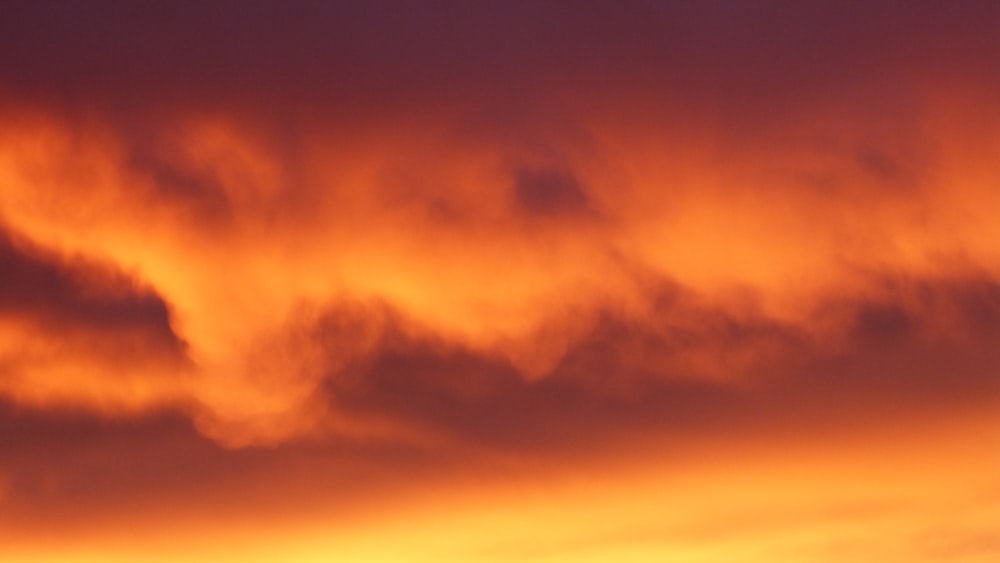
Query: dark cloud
175, 181
72, 469
695, 369
80, 331
549, 192
70, 294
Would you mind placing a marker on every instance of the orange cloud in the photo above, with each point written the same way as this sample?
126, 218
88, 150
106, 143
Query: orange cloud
437, 268
470, 244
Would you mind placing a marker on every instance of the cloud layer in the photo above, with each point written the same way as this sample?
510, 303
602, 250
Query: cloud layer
406, 246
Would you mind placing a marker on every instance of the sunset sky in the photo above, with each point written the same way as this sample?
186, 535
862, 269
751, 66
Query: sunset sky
500, 281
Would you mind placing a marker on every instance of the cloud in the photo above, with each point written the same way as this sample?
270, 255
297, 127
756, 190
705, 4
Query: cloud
549, 192
689, 368
688, 268
390, 243
94, 295
80, 330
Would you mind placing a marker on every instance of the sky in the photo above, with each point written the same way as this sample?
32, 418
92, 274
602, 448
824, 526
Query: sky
400, 281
